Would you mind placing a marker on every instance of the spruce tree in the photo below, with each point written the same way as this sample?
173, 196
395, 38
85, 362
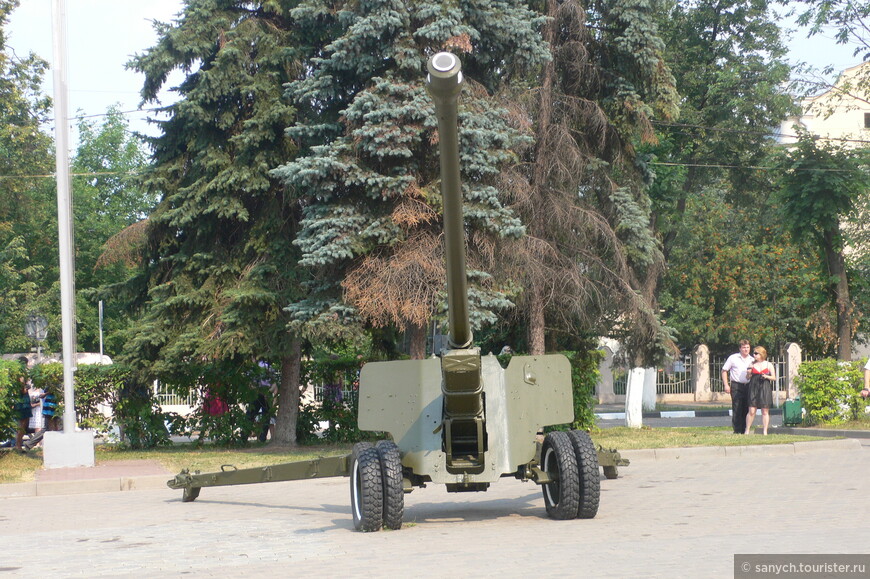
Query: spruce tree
590, 248
219, 265
367, 173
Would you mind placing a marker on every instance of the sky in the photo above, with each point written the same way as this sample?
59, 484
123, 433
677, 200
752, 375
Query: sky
102, 36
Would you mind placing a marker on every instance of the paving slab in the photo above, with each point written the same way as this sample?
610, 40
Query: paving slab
661, 518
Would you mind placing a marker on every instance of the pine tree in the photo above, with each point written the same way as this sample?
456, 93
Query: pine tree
367, 175
219, 265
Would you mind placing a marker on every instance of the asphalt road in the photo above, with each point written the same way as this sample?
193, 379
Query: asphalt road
775, 420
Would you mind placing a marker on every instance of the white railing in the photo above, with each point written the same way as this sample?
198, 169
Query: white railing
167, 396
697, 377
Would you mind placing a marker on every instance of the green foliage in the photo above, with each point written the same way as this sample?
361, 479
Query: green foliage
733, 274
10, 390
28, 206
367, 175
830, 390
109, 205
584, 377
219, 262
820, 186
336, 375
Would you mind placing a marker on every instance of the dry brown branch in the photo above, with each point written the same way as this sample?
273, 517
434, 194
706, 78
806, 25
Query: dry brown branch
125, 246
398, 286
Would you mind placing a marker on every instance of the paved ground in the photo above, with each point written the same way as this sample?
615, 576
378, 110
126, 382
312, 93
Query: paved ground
674, 513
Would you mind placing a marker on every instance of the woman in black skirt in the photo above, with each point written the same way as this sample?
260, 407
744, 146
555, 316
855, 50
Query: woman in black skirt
761, 374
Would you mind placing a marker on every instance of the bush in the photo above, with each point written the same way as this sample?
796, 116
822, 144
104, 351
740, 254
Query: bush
830, 390
10, 371
336, 375
584, 377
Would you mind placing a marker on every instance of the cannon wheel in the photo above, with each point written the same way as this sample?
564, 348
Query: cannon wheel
610, 472
366, 488
562, 495
587, 470
189, 494
394, 492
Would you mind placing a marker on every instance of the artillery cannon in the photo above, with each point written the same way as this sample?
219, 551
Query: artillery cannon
460, 419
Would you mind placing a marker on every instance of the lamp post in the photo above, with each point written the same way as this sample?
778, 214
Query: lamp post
36, 328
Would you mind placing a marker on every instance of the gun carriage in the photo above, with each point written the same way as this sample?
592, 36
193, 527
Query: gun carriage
459, 419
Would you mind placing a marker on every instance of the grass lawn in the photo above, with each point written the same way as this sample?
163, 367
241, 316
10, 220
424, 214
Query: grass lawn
21, 468
863, 423
624, 438
15, 467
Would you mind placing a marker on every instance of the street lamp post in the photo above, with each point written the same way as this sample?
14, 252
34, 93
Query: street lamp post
36, 328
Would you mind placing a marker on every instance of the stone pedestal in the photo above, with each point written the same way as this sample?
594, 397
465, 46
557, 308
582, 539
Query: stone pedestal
68, 449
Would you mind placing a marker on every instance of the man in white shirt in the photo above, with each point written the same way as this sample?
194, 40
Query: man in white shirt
735, 377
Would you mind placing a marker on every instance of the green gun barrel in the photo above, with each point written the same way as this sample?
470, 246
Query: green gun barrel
444, 83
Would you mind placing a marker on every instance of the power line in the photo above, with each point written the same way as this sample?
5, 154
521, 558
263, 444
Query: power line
53, 176
749, 132
718, 166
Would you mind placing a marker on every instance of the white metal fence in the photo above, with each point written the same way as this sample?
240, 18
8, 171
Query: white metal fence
676, 377
167, 396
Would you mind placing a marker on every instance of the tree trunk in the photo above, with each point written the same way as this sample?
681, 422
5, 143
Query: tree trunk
536, 323
840, 289
289, 393
417, 342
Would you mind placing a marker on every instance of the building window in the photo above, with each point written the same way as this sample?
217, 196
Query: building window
867, 120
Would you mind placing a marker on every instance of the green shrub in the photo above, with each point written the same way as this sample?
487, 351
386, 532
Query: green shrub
584, 377
337, 374
10, 371
830, 390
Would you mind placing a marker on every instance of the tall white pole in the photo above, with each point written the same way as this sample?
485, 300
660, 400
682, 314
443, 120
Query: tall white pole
101, 331
64, 214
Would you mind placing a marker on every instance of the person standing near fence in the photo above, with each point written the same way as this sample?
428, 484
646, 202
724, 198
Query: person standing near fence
735, 377
762, 374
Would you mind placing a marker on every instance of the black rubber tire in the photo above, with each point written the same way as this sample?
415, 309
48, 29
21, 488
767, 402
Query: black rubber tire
366, 488
189, 494
394, 491
610, 472
562, 495
587, 470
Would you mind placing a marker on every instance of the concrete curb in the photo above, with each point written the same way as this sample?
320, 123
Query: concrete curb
77, 487
674, 414
821, 432
718, 452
